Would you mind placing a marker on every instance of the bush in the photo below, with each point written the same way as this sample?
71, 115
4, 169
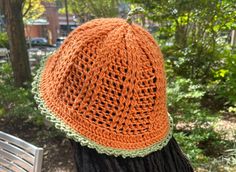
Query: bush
189, 145
16, 103
184, 101
4, 40
225, 79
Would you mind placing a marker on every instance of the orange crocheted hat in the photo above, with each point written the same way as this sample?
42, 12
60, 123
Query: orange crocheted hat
105, 87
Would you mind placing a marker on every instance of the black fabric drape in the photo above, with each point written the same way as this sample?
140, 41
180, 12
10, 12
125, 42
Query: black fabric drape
169, 159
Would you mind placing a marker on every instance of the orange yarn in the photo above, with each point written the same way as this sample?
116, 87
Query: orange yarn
107, 83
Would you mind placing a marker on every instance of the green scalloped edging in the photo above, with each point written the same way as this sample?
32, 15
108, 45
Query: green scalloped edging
71, 133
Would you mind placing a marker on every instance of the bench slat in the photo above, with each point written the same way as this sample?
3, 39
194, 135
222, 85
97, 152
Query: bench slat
16, 160
3, 168
17, 151
6, 165
18, 142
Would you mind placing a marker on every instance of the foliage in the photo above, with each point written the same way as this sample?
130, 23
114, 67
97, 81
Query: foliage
184, 100
90, 9
4, 40
226, 78
189, 146
16, 103
193, 29
33, 9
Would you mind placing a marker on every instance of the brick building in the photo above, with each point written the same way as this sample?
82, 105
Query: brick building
50, 25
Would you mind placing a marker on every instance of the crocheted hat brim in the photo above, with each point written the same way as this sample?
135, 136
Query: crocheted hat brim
74, 134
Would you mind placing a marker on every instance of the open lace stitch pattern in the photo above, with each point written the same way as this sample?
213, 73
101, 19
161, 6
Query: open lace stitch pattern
105, 88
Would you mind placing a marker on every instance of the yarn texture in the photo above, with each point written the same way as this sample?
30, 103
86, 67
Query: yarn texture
105, 87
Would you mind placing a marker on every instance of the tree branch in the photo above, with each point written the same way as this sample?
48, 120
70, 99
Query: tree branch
30, 5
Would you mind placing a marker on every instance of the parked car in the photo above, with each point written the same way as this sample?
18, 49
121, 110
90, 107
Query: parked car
38, 42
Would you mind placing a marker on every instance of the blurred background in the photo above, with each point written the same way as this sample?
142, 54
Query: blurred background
197, 38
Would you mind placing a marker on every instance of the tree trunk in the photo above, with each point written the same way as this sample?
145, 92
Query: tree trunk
18, 52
